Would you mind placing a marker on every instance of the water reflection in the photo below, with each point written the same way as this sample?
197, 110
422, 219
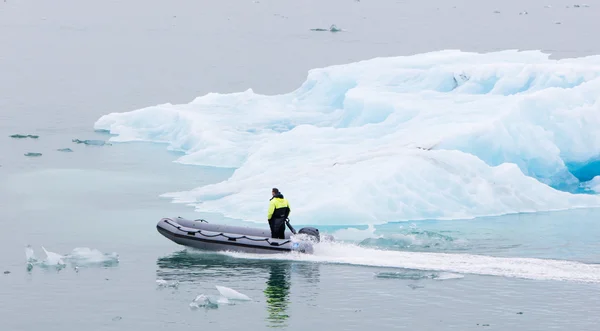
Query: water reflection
191, 266
277, 292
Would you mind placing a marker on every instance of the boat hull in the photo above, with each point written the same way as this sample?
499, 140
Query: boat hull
213, 237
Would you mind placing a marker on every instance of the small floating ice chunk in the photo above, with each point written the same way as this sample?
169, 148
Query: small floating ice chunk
91, 142
232, 294
164, 283
226, 294
22, 136
30, 254
204, 301
53, 258
201, 298
64, 150
332, 28
77, 258
33, 154
223, 301
523, 13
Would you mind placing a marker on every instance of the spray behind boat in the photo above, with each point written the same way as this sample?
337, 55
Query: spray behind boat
301, 245
312, 234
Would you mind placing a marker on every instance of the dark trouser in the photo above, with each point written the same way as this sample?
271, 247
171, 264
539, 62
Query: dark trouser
277, 228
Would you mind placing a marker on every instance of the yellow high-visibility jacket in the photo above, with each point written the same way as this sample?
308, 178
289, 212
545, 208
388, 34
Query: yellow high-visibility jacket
279, 208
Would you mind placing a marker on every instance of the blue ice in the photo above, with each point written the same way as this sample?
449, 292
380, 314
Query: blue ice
440, 135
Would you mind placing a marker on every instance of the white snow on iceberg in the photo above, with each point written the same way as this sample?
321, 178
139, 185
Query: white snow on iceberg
593, 184
440, 135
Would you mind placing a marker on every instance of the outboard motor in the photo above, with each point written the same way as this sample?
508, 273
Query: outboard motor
312, 232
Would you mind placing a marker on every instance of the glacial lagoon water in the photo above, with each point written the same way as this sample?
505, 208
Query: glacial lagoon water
65, 64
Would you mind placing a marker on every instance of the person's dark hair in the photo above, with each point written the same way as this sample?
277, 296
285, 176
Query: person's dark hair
275, 190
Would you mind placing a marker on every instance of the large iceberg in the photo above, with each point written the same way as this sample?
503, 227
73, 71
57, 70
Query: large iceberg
440, 135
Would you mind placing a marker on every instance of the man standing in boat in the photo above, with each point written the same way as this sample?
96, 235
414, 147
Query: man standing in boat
279, 210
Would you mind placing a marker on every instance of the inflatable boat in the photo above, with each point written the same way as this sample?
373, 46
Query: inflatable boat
203, 235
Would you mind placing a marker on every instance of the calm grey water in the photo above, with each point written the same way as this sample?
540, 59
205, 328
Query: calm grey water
65, 63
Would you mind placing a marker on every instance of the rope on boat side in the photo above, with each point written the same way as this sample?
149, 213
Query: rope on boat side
228, 237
